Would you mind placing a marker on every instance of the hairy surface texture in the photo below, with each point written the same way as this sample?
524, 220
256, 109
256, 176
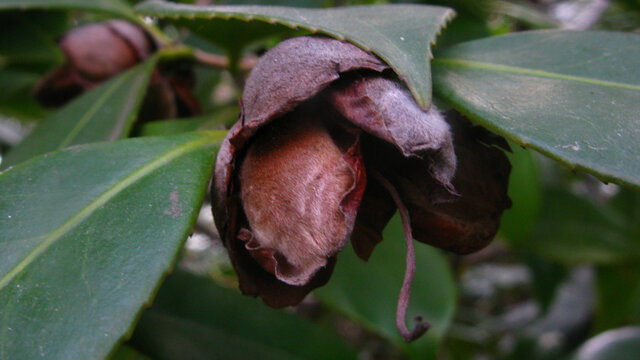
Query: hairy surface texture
293, 180
327, 133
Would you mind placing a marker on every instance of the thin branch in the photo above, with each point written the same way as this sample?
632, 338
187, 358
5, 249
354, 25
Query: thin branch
213, 60
222, 62
410, 270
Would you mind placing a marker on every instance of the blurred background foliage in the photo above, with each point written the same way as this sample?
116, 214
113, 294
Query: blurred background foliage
561, 281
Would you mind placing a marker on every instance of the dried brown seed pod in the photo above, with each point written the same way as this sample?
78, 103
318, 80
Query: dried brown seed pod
329, 144
96, 52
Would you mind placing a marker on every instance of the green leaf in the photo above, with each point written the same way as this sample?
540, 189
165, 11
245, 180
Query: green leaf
618, 296
224, 117
113, 7
525, 191
620, 344
27, 52
299, 3
368, 292
127, 353
193, 318
574, 230
574, 96
400, 34
105, 113
15, 97
244, 33
31, 43
87, 233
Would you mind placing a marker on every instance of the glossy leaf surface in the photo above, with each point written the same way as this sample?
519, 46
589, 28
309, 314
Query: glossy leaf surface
222, 118
193, 318
574, 96
113, 7
87, 233
105, 113
620, 344
368, 292
401, 35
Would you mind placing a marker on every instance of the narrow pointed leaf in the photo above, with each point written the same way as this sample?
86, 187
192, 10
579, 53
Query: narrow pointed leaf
105, 113
401, 35
574, 96
220, 119
87, 233
113, 7
368, 292
206, 321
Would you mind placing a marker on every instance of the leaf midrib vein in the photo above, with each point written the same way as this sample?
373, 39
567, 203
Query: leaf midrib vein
98, 202
82, 123
530, 72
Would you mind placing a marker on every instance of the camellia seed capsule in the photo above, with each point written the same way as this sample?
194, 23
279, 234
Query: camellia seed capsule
329, 145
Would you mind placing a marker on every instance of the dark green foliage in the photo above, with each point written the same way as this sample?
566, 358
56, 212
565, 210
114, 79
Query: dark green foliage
92, 222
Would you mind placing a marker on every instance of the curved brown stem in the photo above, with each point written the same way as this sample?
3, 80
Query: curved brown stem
410, 270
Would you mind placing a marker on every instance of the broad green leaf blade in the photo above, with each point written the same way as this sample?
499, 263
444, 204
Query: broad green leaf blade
618, 296
368, 292
216, 32
221, 119
87, 233
574, 96
113, 7
572, 230
105, 113
299, 3
401, 35
205, 321
620, 344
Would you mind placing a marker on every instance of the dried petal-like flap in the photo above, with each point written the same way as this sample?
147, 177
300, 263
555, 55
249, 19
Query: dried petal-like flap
101, 50
470, 222
255, 281
290, 73
294, 71
286, 193
135, 36
385, 108
293, 181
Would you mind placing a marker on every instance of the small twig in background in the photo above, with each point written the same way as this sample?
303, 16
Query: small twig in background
222, 62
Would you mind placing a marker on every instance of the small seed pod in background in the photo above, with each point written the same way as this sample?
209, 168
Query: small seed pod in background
329, 144
96, 52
